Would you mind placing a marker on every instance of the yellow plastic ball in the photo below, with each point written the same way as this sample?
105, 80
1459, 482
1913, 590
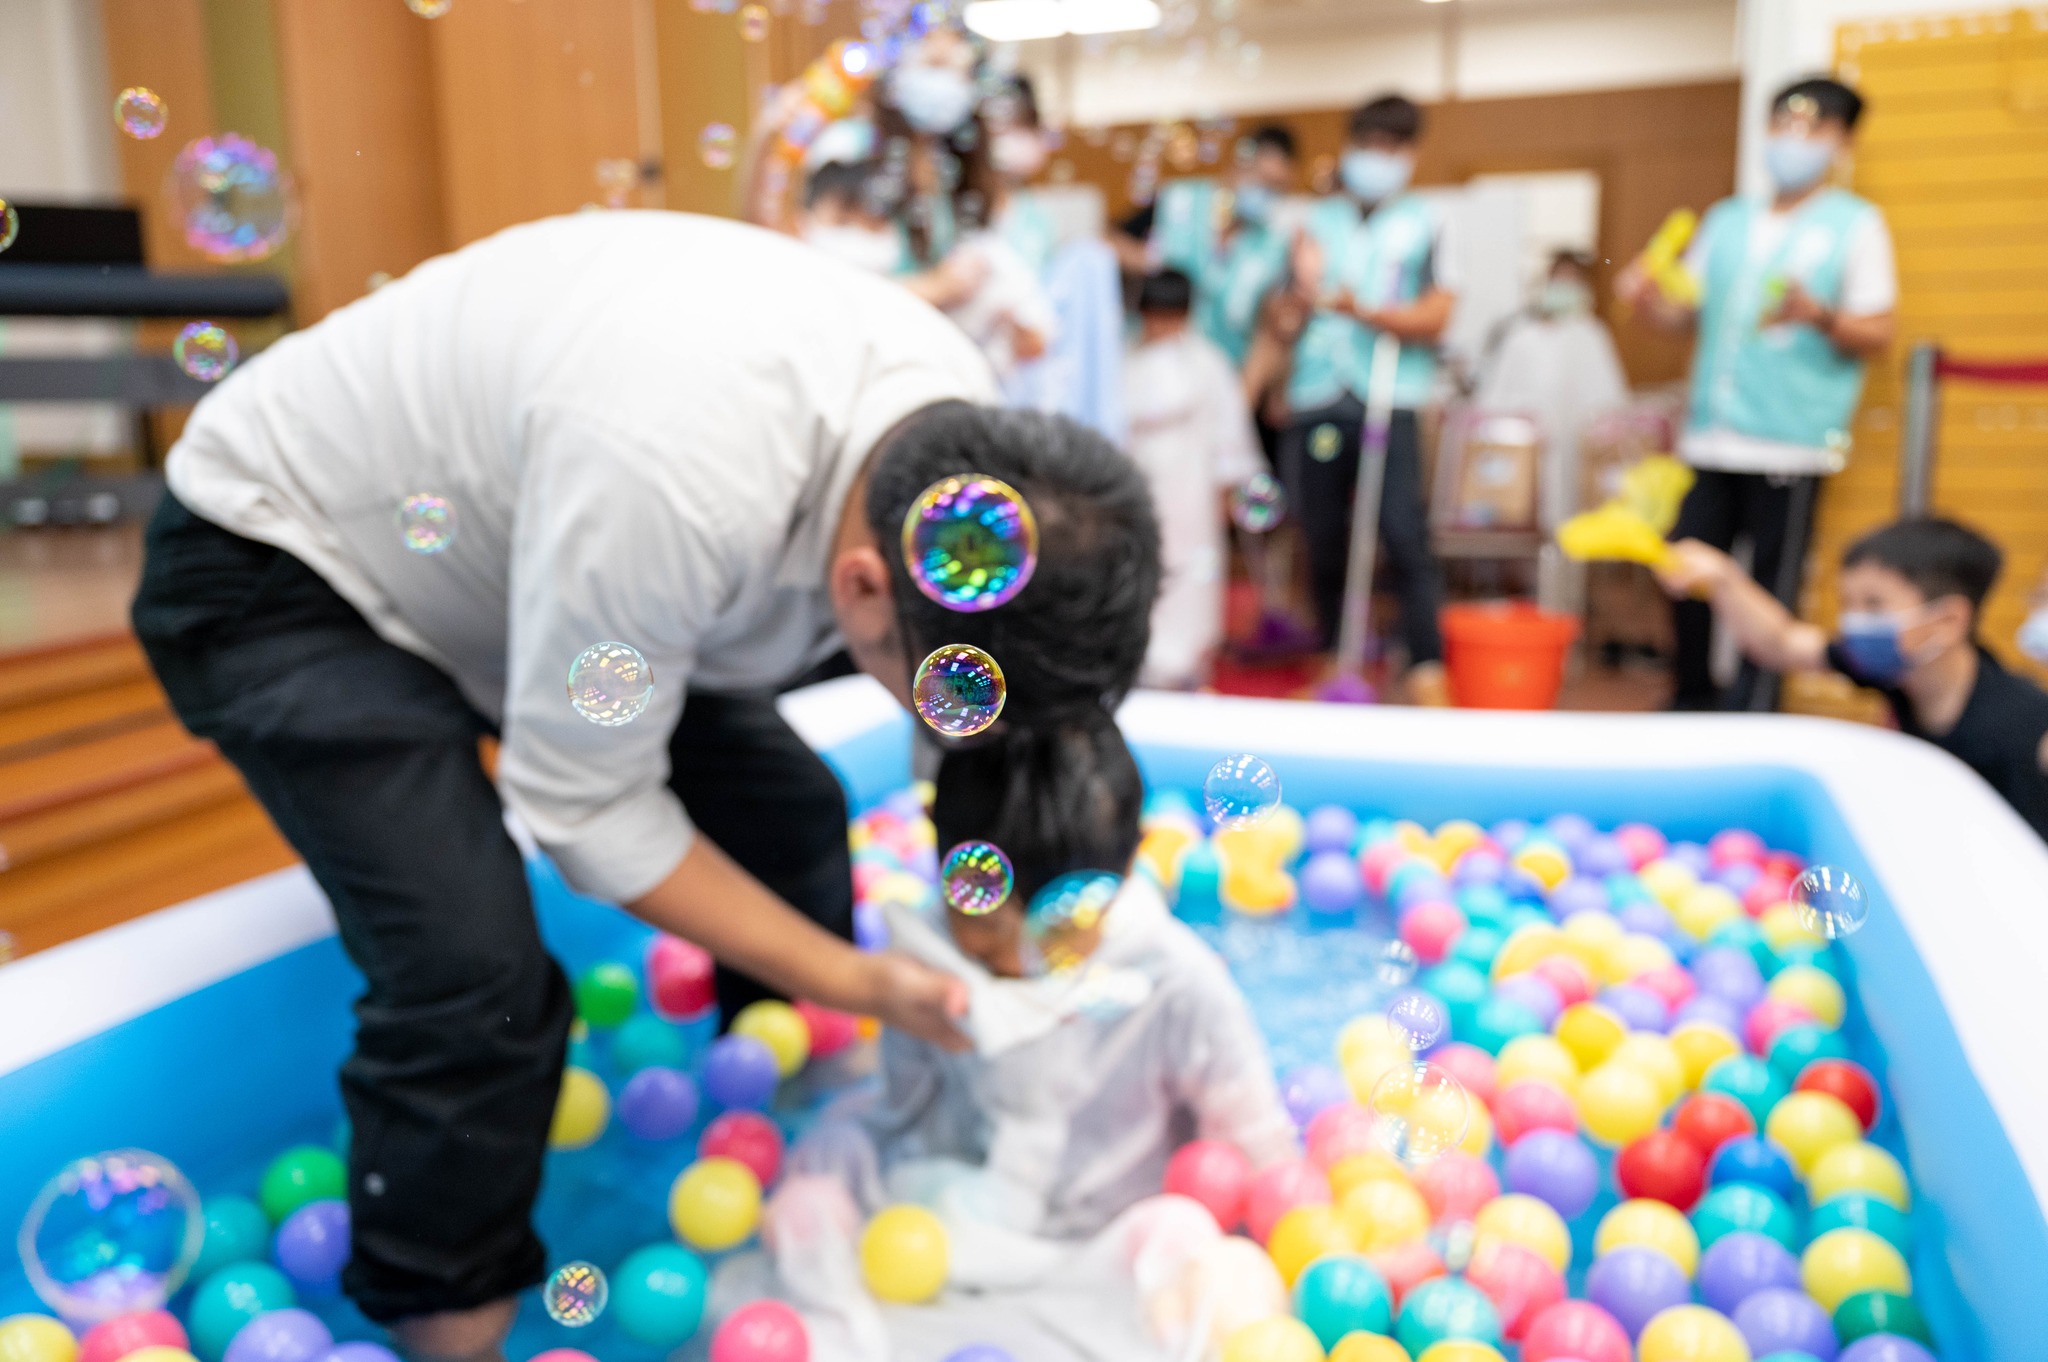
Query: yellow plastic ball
904, 1256
1700, 1046
1479, 1133
1691, 1333
1858, 1167
1782, 927
1546, 861
1371, 1166
714, 1204
1273, 1340
583, 1108
1522, 1220
1813, 989
1257, 890
1643, 1223
1162, 847
1807, 1125
36, 1338
1536, 1056
899, 887
1525, 947
1360, 1346
1843, 1262
1704, 907
1303, 1235
1460, 1350
1381, 1214
1413, 836
159, 1352
1667, 880
781, 1028
1655, 1055
1365, 1068
1634, 956
1454, 838
1619, 1103
1367, 1031
1589, 1030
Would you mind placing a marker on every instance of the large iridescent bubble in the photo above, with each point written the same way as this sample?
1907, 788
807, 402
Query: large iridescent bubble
970, 542
231, 198
112, 1234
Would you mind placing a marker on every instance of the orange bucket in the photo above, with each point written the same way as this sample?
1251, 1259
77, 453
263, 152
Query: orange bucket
1506, 654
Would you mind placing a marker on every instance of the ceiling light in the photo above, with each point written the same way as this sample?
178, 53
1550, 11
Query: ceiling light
1112, 16
1012, 21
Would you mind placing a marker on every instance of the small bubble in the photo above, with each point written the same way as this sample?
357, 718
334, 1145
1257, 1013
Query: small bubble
10, 224
231, 199
1417, 1018
426, 523
1831, 901
617, 177
610, 684
1241, 790
1258, 503
575, 1294
1419, 1112
205, 351
977, 878
753, 23
718, 145
1395, 963
958, 689
141, 113
1063, 925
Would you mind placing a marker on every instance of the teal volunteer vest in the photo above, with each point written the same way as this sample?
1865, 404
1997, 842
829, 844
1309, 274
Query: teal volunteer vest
1382, 259
1231, 269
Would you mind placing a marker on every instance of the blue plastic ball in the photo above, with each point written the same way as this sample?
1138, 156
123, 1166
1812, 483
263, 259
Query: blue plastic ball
740, 1073
1753, 1159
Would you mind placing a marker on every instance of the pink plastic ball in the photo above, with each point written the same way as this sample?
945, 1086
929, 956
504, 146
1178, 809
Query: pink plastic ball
1573, 984
1765, 894
124, 1334
563, 1355
761, 1331
1520, 1284
1214, 1173
1407, 1266
1642, 844
1277, 1189
866, 874
1431, 928
1672, 983
1767, 1019
1736, 846
746, 1137
1337, 1132
1784, 865
1471, 1066
1577, 1330
1377, 862
679, 978
831, 1031
1456, 1186
1532, 1104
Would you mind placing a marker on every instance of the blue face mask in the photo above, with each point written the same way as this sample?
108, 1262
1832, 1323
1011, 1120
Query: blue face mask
1869, 640
2033, 638
1253, 203
1795, 163
1372, 176
935, 99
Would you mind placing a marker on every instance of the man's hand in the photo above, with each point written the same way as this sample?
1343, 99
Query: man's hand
915, 998
1695, 570
1634, 286
1799, 308
1307, 262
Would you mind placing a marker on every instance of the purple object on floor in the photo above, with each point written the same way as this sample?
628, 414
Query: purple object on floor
1571, 831
1602, 856
1640, 1008
1330, 883
1730, 974
1706, 1007
1510, 833
1692, 856
1478, 866
1534, 992
359, 1352
870, 929
1634, 1283
1736, 877
1577, 895
1784, 1319
292, 1335
1556, 1167
1885, 1348
658, 1103
1310, 1088
312, 1245
1737, 1266
1330, 827
979, 1352
1346, 688
740, 1074
1647, 917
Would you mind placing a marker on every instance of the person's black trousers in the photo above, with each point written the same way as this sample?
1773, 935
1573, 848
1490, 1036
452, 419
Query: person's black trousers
365, 756
1775, 514
1319, 454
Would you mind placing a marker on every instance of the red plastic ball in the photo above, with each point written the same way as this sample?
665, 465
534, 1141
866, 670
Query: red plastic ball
1574, 984
1532, 1104
1663, 1166
1214, 1173
1456, 1185
1847, 1080
1277, 1189
1470, 1065
762, 1331
1708, 1120
1431, 928
1337, 1132
1579, 1330
116, 1338
679, 978
1767, 1019
747, 1137
831, 1031
1784, 865
1520, 1284
1764, 894
1407, 1266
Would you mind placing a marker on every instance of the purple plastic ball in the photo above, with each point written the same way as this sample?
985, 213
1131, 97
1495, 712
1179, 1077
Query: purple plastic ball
1510, 833
870, 928
359, 1352
1692, 856
1737, 1266
1534, 992
1707, 1008
1329, 827
658, 1103
1646, 917
1556, 1167
280, 1336
739, 1074
1736, 876
1784, 1319
1330, 883
1729, 973
1309, 1088
1570, 831
1578, 894
979, 1352
1602, 856
1422, 886
1885, 1348
1478, 866
1633, 1284
312, 1245
1640, 1008
1518, 883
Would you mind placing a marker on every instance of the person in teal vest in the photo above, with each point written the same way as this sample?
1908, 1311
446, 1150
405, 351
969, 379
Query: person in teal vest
1373, 262
1796, 292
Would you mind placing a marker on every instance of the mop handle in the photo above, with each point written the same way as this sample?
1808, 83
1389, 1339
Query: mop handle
1354, 624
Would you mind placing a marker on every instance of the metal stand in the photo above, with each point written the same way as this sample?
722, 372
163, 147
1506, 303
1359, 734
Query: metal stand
1347, 684
1916, 442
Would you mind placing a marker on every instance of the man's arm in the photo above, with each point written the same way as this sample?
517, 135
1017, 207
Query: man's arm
1860, 337
1767, 633
1422, 321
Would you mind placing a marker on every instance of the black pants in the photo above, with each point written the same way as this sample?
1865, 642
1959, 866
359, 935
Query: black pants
1321, 475
1776, 515
365, 756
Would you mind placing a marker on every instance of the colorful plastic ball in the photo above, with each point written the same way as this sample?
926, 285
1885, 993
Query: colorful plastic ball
1813, 989
740, 1072
313, 1244
645, 1039
1455, 1186
1472, 1067
1862, 1211
1635, 1284
748, 1137
1335, 1134
1381, 1213
1881, 1312
1748, 1080
1532, 1104
1859, 1167
1515, 1218
606, 994
1756, 1160
357, 1352
1273, 1340
301, 1174
563, 1355
1303, 1235
114, 1339
229, 1299
1801, 1044
583, 1108
1459, 986
1307, 1090
1461, 1350
1342, 1294
1329, 883
1431, 928
1619, 1103
714, 1204
236, 1232
1446, 1307
781, 1028
1654, 1055
1353, 1169
1215, 1173
761, 1331
1535, 995
1277, 1189
831, 1031
291, 1335
1329, 827
1807, 1125
1691, 1333
904, 1256
1884, 1348
1708, 1120
1576, 1331
36, 1338
658, 1295
1638, 1008
1498, 1020
1664, 1166
1573, 982
1784, 1319
1477, 946
680, 977
1729, 972
1590, 1032
1767, 1019
1845, 1080
1541, 1057
1737, 1266
1520, 1284
979, 1352
658, 1103
1738, 1206
1556, 1167
1842, 1263
1649, 1224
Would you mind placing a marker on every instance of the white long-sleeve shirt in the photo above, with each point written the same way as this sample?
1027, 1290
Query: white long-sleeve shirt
647, 424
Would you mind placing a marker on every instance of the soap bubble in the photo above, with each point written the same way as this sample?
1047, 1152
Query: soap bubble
610, 684
616, 178
112, 1234
139, 111
426, 523
970, 542
1830, 900
1419, 1112
718, 145
430, 9
10, 224
231, 197
958, 689
1240, 791
575, 1294
753, 23
1395, 963
1417, 1019
1062, 926
1258, 503
205, 351
977, 877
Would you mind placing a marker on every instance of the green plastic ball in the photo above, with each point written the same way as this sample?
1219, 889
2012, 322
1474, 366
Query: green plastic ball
1499, 1020
1748, 1080
231, 1298
1477, 945
1745, 1206
1446, 1307
644, 1041
1521, 915
1800, 1044
1880, 1312
236, 1232
1460, 987
658, 1295
1821, 958
1342, 1293
301, 1174
606, 994
1860, 1210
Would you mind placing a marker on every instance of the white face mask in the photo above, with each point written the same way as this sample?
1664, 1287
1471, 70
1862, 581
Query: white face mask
1018, 153
934, 99
2033, 638
864, 248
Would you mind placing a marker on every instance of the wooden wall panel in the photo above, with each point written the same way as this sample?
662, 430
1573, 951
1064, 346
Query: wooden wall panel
703, 74
160, 44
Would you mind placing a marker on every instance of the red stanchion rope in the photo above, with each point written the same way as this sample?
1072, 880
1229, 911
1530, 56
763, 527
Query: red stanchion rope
1992, 370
